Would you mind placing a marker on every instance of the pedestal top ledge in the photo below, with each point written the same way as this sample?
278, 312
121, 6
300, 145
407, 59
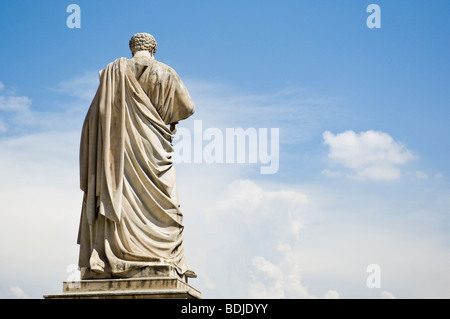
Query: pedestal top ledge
132, 288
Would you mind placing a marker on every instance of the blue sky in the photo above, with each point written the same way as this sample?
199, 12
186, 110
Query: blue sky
363, 118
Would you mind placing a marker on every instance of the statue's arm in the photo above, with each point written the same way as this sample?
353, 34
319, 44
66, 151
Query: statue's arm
183, 103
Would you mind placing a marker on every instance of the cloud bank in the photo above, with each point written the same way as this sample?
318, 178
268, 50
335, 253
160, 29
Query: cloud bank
246, 236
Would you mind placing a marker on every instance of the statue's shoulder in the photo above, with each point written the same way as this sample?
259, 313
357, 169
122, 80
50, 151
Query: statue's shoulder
163, 69
114, 64
158, 65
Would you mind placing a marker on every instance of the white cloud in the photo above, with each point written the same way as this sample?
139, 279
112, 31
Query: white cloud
252, 233
15, 112
281, 281
19, 116
272, 285
266, 267
421, 175
399, 228
3, 127
82, 87
387, 295
418, 175
369, 155
2, 86
438, 175
331, 294
250, 198
330, 173
19, 104
299, 116
284, 211
17, 292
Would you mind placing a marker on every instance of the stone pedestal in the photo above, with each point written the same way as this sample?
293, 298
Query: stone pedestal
131, 288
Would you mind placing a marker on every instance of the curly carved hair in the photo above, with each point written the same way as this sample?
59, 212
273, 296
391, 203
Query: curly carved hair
143, 41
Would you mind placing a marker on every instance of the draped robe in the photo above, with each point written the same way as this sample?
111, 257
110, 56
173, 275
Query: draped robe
130, 214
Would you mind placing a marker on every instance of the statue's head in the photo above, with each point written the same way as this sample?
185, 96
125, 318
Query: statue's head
143, 42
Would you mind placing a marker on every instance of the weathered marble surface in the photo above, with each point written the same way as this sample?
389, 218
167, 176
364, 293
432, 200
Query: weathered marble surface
131, 218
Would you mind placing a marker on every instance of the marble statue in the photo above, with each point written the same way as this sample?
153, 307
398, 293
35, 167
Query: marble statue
131, 224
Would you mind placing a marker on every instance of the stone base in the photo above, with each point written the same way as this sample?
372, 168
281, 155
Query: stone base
131, 288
